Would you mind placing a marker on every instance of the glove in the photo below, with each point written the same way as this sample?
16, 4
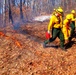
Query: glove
48, 32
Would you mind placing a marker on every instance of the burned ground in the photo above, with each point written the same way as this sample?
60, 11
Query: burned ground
22, 53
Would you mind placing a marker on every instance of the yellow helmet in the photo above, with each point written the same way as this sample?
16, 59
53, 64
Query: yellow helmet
73, 11
68, 16
60, 10
60, 7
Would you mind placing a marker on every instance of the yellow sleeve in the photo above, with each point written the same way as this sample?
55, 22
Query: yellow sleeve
73, 19
51, 23
65, 22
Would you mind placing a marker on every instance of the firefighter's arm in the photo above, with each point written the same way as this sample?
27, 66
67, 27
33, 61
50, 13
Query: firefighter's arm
49, 27
50, 23
74, 19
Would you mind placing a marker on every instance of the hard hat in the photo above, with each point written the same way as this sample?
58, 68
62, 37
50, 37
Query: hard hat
68, 16
60, 10
60, 7
73, 11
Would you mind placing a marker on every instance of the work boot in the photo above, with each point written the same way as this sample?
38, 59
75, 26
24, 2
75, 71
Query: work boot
45, 42
70, 38
44, 45
63, 48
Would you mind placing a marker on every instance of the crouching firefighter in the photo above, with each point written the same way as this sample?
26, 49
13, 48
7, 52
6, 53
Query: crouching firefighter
56, 25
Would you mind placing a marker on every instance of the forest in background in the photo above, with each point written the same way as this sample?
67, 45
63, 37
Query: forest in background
26, 10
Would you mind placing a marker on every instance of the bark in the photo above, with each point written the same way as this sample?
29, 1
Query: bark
4, 13
13, 2
10, 13
21, 12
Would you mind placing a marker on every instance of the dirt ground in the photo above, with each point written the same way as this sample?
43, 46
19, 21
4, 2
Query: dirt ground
22, 53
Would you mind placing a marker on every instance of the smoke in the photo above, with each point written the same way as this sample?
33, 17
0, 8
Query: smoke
42, 18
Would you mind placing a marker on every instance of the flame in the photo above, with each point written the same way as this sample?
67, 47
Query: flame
9, 37
2, 34
18, 43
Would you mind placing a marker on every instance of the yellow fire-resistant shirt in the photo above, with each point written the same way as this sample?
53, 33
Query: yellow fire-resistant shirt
55, 22
66, 29
73, 17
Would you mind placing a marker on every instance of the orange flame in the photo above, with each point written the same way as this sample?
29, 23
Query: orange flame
8, 37
18, 43
2, 34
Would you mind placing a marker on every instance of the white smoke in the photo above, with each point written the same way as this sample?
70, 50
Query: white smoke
42, 18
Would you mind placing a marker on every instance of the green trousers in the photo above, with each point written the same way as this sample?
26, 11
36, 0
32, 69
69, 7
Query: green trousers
56, 32
72, 25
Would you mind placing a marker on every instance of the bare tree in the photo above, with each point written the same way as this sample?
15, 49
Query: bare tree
4, 13
10, 12
13, 2
35, 7
24, 1
21, 12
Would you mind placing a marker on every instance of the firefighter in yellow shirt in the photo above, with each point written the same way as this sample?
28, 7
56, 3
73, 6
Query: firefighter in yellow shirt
56, 25
72, 25
66, 28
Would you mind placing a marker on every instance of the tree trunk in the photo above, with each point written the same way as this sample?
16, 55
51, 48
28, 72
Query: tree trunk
24, 1
13, 2
4, 13
21, 12
10, 12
